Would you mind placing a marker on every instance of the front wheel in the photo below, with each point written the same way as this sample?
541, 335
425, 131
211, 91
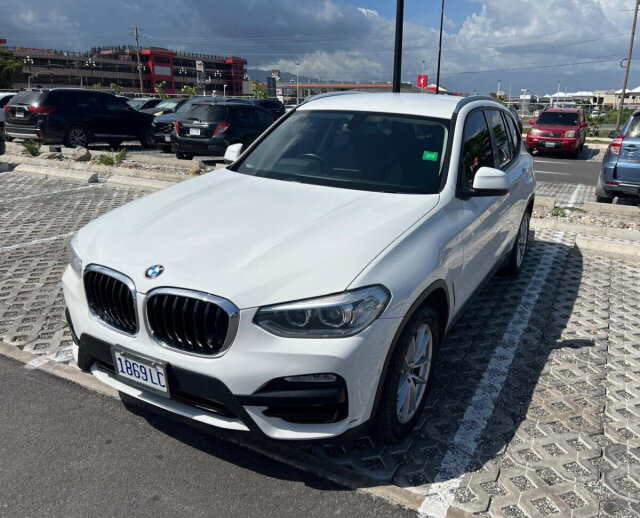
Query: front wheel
408, 376
146, 139
519, 250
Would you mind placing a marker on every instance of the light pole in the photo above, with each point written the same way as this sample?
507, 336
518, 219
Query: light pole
28, 62
557, 94
89, 63
224, 89
498, 91
217, 74
423, 76
524, 93
440, 48
626, 74
297, 83
397, 50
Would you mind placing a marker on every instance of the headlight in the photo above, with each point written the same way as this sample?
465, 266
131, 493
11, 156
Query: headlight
570, 134
535, 131
333, 316
74, 257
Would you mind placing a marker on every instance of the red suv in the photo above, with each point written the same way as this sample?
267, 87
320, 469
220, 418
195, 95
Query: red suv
558, 129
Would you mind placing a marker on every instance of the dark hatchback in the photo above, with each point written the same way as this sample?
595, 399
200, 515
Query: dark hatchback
75, 117
208, 128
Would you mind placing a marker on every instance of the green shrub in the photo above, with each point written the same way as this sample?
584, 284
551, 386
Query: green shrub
32, 147
558, 213
113, 158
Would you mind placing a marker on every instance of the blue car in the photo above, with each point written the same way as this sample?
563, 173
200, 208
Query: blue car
164, 125
620, 174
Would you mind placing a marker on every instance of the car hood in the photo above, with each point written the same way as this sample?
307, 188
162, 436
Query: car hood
167, 117
254, 241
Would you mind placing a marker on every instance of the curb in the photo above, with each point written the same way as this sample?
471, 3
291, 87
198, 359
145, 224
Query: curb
544, 202
611, 209
589, 246
137, 182
64, 174
579, 228
85, 166
273, 450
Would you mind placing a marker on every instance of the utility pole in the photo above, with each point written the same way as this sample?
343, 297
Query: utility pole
440, 48
397, 51
135, 32
498, 92
626, 73
297, 83
423, 74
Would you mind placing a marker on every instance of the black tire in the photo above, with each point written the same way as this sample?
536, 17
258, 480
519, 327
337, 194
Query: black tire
165, 149
184, 156
146, 139
581, 147
76, 136
604, 199
519, 251
3, 147
388, 423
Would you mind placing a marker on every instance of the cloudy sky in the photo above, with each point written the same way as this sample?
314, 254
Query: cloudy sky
526, 44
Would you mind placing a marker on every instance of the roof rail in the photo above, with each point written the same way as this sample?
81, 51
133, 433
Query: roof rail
329, 94
472, 98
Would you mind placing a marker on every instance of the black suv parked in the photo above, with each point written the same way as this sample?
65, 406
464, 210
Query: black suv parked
272, 105
208, 128
75, 117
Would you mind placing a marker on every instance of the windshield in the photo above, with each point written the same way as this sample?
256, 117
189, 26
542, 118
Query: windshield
167, 105
354, 150
137, 103
206, 112
558, 118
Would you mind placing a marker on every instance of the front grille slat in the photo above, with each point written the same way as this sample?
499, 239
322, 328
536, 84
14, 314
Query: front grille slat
111, 298
187, 321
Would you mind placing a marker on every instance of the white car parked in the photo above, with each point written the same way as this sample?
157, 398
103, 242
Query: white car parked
303, 291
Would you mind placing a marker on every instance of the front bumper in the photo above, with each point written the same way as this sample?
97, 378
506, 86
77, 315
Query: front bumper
243, 388
552, 143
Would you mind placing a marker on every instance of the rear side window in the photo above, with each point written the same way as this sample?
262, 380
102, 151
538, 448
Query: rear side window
477, 151
62, 99
633, 130
242, 116
263, 119
501, 137
513, 133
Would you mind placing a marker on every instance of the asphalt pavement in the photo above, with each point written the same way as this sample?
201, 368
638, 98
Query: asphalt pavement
67, 451
557, 169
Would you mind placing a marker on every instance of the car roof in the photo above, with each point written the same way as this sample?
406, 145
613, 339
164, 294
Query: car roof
428, 105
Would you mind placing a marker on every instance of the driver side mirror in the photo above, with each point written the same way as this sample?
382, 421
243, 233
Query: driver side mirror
490, 182
585, 124
232, 153
532, 122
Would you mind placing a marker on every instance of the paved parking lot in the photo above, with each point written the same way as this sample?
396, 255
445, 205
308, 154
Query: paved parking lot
535, 407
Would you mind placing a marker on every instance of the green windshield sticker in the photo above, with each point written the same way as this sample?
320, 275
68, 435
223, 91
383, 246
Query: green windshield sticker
430, 155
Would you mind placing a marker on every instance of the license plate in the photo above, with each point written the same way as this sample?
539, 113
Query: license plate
19, 115
194, 131
145, 372
167, 138
550, 144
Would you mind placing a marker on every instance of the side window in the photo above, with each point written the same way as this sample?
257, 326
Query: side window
87, 101
513, 134
113, 105
501, 138
476, 146
240, 116
263, 119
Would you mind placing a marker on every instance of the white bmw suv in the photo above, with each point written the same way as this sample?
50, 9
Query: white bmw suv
302, 292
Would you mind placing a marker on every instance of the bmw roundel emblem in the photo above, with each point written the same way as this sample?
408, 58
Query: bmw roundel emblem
153, 271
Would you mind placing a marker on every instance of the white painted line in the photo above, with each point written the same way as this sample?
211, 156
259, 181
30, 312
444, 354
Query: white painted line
36, 242
36, 363
536, 161
462, 448
92, 186
551, 172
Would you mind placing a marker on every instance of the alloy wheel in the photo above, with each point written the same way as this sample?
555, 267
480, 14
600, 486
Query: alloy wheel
77, 137
415, 372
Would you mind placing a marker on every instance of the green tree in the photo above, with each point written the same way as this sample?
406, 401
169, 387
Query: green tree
117, 89
189, 90
96, 86
10, 68
160, 89
258, 90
